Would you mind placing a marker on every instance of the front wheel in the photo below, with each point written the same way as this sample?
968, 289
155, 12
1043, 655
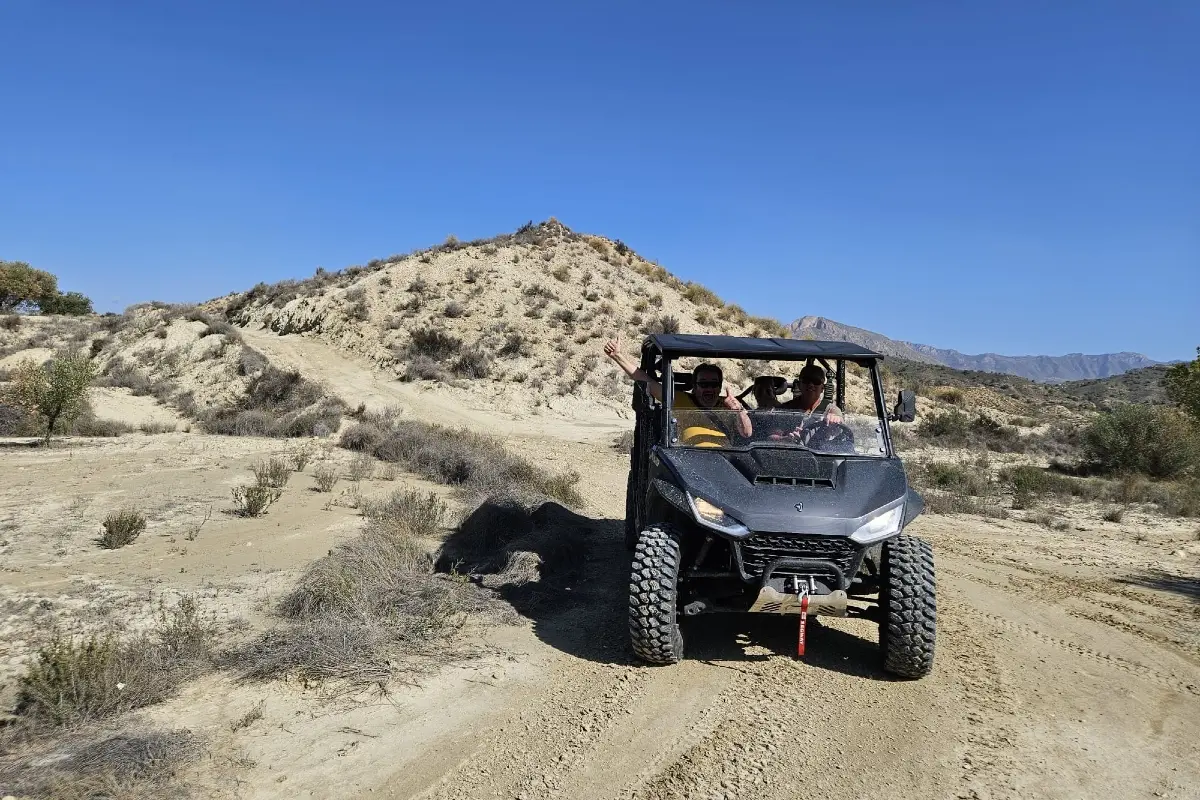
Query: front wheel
908, 601
653, 593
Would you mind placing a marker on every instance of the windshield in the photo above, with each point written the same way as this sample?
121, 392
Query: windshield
836, 433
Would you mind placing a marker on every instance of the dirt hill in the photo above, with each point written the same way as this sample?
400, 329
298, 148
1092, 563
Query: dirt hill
516, 321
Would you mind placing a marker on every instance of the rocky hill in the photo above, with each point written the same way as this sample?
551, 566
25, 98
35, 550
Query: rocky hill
1045, 369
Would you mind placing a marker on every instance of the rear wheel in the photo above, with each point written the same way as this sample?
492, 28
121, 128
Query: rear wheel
653, 592
908, 605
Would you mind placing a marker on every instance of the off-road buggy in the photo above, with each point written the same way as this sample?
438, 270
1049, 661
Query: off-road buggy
802, 516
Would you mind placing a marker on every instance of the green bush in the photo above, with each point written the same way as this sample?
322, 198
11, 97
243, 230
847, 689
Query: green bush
70, 304
1153, 440
951, 429
253, 501
945, 475
122, 527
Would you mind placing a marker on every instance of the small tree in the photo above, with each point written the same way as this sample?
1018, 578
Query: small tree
1182, 383
23, 287
56, 392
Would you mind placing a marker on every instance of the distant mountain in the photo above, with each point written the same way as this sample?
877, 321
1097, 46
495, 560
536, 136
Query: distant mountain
1045, 369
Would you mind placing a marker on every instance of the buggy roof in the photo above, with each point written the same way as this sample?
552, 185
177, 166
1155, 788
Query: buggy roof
686, 344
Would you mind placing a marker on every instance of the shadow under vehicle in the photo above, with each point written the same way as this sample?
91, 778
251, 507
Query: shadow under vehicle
803, 513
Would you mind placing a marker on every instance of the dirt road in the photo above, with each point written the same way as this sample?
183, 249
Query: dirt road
1060, 674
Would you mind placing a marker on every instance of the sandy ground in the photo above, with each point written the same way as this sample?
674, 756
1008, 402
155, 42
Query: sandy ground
1068, 662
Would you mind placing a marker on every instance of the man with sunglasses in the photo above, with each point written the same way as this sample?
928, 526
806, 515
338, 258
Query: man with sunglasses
808, 397
697, 428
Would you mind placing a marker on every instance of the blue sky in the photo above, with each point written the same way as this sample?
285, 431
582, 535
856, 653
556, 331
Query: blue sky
989, 176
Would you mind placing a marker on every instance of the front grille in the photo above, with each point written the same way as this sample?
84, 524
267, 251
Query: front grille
762, 548
783, 480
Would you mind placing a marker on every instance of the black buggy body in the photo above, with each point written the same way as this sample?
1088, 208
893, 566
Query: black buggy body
803, 515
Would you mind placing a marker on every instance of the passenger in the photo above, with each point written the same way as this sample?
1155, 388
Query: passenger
767, 389
696, 428
808, 397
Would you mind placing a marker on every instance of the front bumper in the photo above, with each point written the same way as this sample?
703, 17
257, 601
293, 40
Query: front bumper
833, 560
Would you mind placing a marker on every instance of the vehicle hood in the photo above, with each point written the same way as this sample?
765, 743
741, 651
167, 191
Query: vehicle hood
831, 495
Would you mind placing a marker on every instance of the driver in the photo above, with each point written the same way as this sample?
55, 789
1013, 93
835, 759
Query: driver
697, 428
808, 397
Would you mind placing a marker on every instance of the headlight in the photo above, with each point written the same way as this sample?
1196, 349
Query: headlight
710, 516
879, 527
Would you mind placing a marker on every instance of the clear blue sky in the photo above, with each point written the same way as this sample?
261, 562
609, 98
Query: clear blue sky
988, 176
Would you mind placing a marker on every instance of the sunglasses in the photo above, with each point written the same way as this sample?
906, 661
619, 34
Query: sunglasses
810, 383
708, 384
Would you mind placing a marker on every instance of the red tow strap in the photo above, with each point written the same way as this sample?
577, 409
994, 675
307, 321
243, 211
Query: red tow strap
803, 625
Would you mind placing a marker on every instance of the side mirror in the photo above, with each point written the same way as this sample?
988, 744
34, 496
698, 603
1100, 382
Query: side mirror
906, 406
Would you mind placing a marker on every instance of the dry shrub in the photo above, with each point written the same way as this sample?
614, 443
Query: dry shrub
122, 528
272, 473
1114, 514
88, 424
372, 608
325, 475
454, 310
362, 466
433, 343
362, 437
463, 458
696, 293
514, 345
473, 363
423, 368
300, 457
420, 514
253, 501
71, 682
664, 324
153, 428
279, 404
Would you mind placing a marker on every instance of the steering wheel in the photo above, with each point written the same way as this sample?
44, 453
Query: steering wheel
829, 437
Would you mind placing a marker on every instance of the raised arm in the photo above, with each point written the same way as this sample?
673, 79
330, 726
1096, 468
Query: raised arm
612, 349
743, 419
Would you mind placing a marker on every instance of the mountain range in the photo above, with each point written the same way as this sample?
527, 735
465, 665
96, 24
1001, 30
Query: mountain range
1045, 369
